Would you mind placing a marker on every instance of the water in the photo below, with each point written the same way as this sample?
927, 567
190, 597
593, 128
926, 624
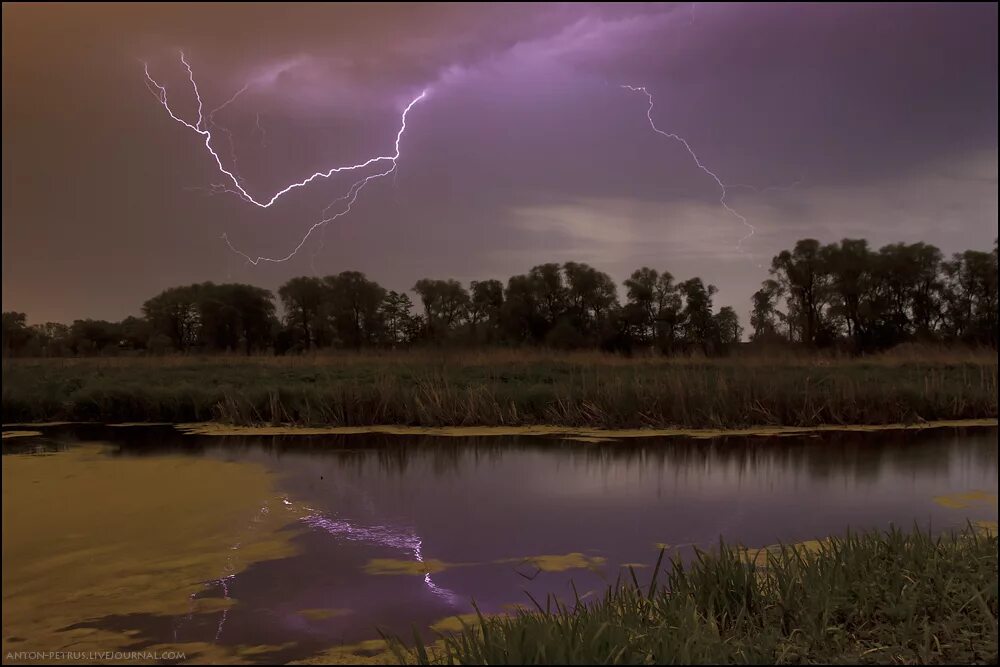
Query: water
278, 548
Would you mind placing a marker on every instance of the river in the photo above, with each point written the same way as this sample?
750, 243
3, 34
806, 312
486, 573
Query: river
277, 548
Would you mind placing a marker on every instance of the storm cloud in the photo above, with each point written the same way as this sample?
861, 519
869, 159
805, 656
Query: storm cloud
830, 121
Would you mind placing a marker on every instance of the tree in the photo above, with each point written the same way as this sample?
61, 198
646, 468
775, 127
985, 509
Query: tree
218, 316
15, 332
53, 339
303, 299
970, 296
727, 327
256, 315
174, 313
640, 289
654, 306
486, 304
802, 276
397, 317
699, 325
853, 284
445, 302
356, 307
925, 289
590, 296
765, 318
134, 332
520, 318
90, 336
549, 291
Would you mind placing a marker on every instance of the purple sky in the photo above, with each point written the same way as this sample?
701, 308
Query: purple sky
872, 120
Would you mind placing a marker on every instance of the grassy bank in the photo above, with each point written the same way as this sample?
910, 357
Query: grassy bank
902, 598
506, 388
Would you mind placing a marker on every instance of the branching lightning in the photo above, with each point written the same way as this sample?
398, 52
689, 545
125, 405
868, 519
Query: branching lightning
266, 202
202, 128
229, 134
205, 124
723, 188
350, 198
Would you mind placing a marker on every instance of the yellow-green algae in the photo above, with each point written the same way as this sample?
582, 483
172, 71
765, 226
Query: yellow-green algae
322, 614
545, 563
399, 566
456, 623
369, 652
68, 559
761, 555
7, 435
560, 563
217, 429
958, 501
38, 424
128, 424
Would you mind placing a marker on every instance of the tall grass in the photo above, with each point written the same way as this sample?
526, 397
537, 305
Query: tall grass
872, 598
506, 387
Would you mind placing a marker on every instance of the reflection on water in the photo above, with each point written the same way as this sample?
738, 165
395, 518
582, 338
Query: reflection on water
389, 532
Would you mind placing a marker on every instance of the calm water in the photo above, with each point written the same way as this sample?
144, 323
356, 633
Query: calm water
341, 516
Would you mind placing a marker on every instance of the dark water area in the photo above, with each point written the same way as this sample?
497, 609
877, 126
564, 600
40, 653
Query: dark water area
398, 532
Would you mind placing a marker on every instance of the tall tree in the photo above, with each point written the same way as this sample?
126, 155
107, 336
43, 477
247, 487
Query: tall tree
174, 314
699, 325
446, 304
727, 327
397, 317
486, 304
303, 299
550, 292
802, 275
15, 332
850, 265
765, 318
356, 307
590, 296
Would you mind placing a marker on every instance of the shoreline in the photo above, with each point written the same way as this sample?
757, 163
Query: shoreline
586, 434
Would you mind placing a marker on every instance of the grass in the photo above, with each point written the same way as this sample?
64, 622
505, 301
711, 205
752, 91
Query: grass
895, 597
507, 387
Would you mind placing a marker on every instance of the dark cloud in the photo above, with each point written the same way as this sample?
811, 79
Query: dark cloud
884, 117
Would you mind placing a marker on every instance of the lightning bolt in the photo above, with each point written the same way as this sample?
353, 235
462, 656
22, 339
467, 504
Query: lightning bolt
229, 134
723, 188
199, 127
204, 123
350, 198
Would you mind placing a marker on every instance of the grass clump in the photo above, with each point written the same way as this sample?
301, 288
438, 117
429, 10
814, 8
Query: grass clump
504, 388
897, 597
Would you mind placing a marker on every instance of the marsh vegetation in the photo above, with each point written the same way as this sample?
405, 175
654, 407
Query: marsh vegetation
508, 387
876, 598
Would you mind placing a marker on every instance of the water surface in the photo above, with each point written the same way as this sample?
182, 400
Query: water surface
278, 548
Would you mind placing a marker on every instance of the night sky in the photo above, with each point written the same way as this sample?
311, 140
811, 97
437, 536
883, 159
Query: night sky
876, 121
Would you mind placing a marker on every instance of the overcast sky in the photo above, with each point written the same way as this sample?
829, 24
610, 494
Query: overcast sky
876, 121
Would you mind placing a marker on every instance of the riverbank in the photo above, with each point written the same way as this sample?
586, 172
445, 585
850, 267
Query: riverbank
505, 388
871, 599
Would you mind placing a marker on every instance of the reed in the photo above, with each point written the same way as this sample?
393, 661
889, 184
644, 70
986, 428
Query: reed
895, 597
506, 387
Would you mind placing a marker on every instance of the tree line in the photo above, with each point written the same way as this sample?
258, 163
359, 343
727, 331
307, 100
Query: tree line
851, 294
818, 295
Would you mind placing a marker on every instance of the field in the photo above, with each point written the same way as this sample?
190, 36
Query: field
507, 387
893, 598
